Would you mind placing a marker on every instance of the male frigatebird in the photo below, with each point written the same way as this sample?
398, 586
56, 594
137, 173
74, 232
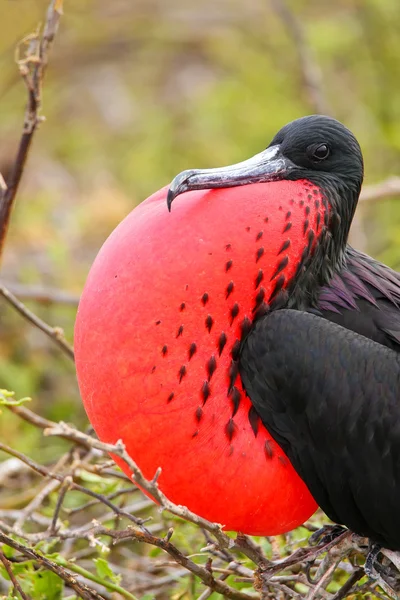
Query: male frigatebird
194, 324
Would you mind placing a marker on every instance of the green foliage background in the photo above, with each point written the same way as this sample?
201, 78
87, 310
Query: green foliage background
138, 90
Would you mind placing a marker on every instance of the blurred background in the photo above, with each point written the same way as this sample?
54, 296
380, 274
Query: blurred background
138, 90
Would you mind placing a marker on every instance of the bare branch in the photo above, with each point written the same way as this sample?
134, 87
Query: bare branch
32, 67
65, 486
81, 589
41, 294
41, 470
203, 573
385, 189
54, 333
13, 579
41, 422
150, 487
272, 578
348, 586
372, 193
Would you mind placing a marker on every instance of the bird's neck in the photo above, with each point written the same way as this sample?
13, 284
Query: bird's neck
319, 267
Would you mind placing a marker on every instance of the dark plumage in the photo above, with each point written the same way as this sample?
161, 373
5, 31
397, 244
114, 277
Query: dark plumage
364, 296
330, 397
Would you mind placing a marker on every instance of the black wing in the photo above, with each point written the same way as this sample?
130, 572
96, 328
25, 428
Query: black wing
364, 296
331, 399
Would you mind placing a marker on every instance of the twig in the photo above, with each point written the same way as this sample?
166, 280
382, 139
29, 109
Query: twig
269, 578
85, 573
32, 69
81, 589
322, 581
65, 486
202, 572
309, 68
151, 487
385, 189
300, 556
208, 591
54, 333
117, 494
38, 421
348, 586
335, 554
35, 504
13, 579
40, 496
41, 294
251, 549
74, 486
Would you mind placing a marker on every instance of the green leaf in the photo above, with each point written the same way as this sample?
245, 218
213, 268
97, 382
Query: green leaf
104, 570
47, 586
7, 399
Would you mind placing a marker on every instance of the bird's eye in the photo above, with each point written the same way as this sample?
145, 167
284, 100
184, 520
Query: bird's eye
321, 152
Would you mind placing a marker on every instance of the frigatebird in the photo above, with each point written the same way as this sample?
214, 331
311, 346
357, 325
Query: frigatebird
321, 364
180, 311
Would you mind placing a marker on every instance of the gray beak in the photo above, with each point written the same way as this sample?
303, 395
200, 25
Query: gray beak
268, 165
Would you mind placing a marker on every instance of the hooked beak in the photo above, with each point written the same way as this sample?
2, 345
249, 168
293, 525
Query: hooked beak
268, 165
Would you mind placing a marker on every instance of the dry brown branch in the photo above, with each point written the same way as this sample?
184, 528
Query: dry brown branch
82, 590
54, 333
202, 572
151, 487
349, 585
41, 470
32, 65
17, 587
38, 421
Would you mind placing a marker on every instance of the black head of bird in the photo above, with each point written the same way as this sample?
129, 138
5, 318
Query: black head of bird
315, 149
324, 151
